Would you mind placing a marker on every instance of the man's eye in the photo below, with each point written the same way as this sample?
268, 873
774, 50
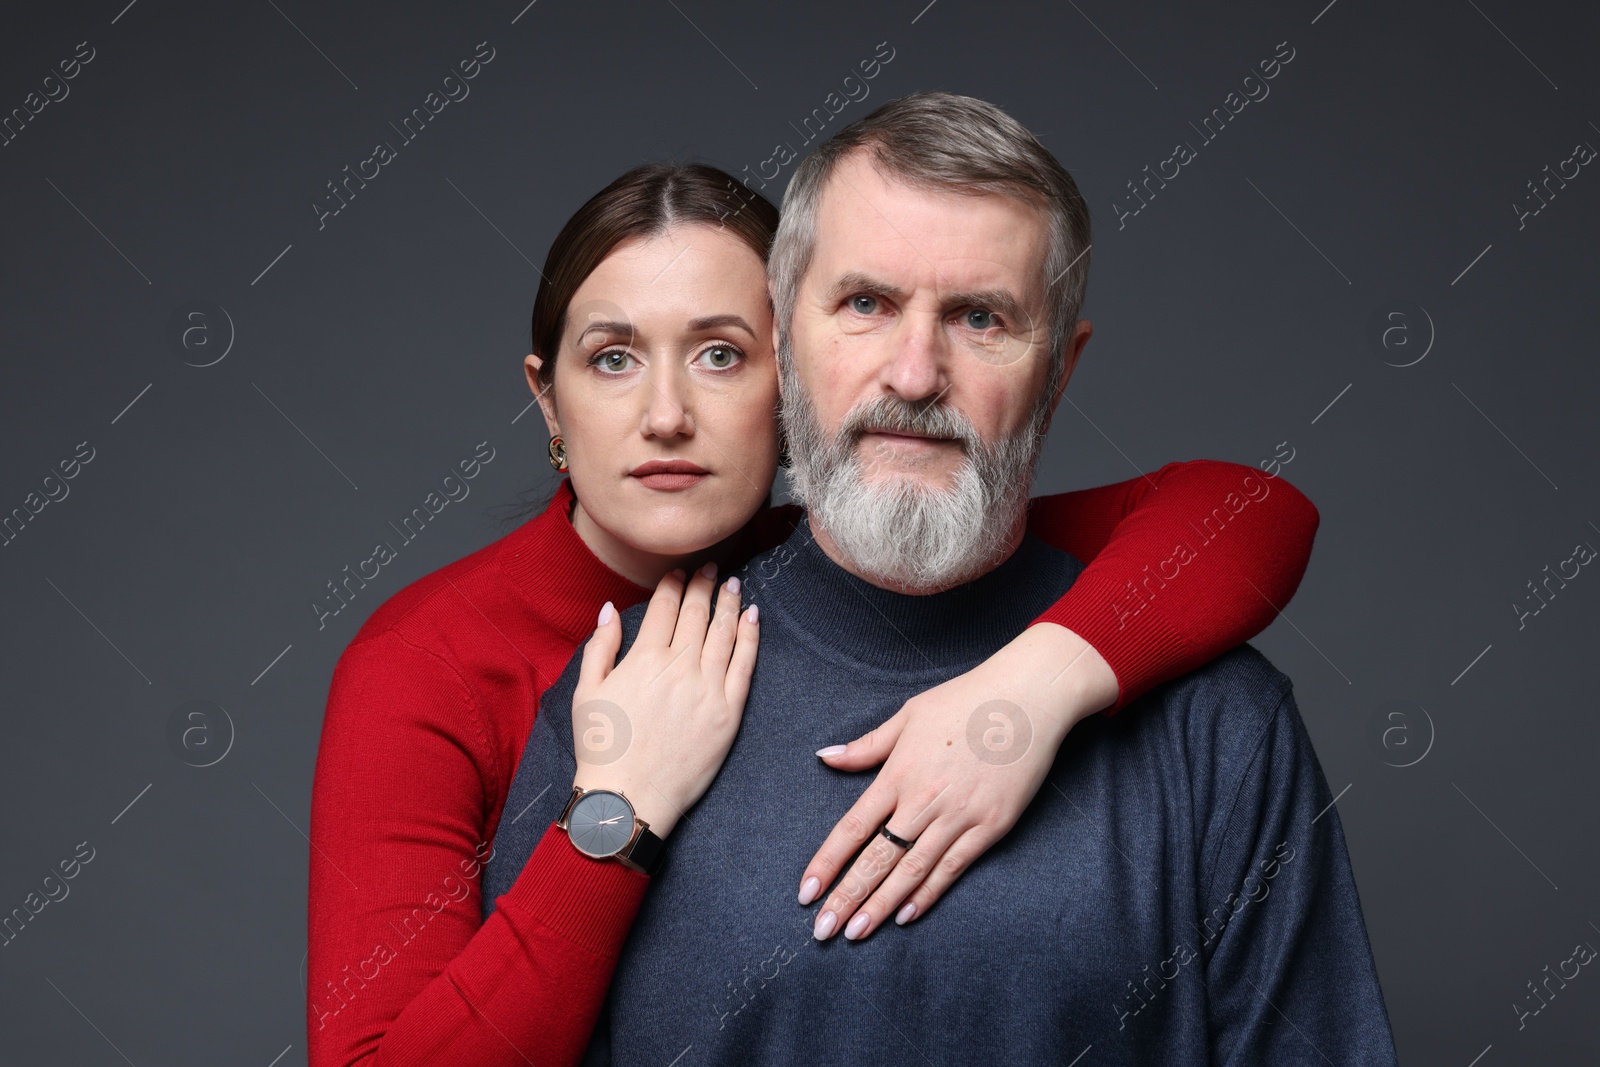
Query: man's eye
863, 305
721, 357
611, 361
980, 319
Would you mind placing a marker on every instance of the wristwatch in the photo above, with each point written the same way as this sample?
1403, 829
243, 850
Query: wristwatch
602, 824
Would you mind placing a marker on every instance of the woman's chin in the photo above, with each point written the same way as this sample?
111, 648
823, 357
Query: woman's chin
681, 532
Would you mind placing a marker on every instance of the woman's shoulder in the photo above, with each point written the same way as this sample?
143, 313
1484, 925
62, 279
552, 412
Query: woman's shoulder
481, 615
492, 584
450, 655
417, 609
504, 619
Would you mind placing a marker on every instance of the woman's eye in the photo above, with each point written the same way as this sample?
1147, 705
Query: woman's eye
721, 357
863, 305
980, 319
612, 361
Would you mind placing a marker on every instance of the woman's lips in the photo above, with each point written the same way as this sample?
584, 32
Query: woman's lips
669, 475
670, 481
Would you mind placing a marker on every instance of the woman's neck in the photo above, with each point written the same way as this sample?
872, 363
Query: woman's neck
647, 568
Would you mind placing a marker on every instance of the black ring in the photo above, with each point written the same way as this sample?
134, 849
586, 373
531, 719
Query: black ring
894, 838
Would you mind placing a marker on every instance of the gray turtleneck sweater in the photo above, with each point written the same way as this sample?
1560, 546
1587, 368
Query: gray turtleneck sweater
1178, 892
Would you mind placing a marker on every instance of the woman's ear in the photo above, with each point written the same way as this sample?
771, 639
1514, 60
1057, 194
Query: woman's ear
547, 403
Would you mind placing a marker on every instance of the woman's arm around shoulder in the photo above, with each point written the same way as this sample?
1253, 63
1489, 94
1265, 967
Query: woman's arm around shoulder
1182, 565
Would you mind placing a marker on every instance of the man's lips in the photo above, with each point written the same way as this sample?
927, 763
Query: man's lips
669, 475
914, 441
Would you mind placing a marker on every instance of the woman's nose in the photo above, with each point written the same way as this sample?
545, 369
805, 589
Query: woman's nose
665, 412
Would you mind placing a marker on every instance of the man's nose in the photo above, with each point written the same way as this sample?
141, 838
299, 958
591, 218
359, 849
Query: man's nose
920, 365
665, 409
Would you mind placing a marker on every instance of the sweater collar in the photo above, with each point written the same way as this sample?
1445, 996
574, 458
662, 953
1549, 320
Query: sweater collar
560, 575
899, 631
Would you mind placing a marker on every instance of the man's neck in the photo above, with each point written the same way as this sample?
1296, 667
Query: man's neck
1019, 528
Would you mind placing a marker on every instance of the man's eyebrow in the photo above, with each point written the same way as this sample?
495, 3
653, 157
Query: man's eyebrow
857, 282
717, 322
1000, 300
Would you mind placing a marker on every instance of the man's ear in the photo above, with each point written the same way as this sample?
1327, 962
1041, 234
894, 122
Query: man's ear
772, 301
1069, 356
547, 402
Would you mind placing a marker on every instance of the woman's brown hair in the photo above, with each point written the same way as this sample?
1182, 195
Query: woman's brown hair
643, 202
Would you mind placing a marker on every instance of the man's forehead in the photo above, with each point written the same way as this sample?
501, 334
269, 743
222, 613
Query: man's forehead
876, 223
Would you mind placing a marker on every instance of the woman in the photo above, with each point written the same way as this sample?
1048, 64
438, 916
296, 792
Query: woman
653, 363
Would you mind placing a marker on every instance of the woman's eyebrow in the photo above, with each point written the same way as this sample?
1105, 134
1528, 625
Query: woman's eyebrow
624, 329
717, 322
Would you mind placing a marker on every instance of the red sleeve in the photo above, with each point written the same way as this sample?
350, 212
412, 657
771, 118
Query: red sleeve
401, 968
1182, 564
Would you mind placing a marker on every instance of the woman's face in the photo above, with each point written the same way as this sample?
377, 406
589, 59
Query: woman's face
666, 395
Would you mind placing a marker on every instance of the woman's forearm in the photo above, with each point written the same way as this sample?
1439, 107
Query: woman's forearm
1182, 564
529, 984
402, 968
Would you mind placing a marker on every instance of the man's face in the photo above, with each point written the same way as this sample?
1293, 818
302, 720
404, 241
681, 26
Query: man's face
926, 297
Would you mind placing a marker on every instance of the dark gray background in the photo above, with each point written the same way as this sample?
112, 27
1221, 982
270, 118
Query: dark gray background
378, 351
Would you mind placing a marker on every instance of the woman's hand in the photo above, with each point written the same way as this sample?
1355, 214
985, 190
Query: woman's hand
963, 761
657, 726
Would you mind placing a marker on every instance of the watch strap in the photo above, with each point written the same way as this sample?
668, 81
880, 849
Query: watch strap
645, 852
572, 801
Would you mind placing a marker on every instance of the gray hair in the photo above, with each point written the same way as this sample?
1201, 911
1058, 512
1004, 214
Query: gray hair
946, 142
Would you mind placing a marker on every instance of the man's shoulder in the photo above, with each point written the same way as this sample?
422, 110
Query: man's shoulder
1223, 707
1240, 675
1220, 713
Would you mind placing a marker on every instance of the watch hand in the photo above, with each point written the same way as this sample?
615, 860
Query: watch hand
608, 822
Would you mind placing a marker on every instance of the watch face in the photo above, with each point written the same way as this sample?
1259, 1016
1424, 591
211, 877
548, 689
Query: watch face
601, 824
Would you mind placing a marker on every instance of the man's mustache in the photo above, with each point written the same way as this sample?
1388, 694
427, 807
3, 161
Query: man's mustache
889, 414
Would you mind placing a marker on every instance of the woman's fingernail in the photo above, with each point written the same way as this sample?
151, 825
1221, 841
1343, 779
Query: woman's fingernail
905, 914
679, 572
825, 924
857, 925
752, 614
709, 568
733, 585
832, 750
607, 613
809, 889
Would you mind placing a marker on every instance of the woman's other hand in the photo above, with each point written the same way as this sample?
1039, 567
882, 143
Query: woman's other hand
657, 726
960, 764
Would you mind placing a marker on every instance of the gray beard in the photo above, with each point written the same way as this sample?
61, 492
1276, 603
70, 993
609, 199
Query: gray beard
894, 528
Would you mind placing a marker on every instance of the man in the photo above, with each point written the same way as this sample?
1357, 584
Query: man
1178, 893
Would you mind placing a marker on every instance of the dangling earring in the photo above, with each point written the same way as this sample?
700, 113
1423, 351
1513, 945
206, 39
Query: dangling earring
558, 453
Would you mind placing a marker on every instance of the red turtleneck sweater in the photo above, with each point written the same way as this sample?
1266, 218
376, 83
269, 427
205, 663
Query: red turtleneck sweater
431, 704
